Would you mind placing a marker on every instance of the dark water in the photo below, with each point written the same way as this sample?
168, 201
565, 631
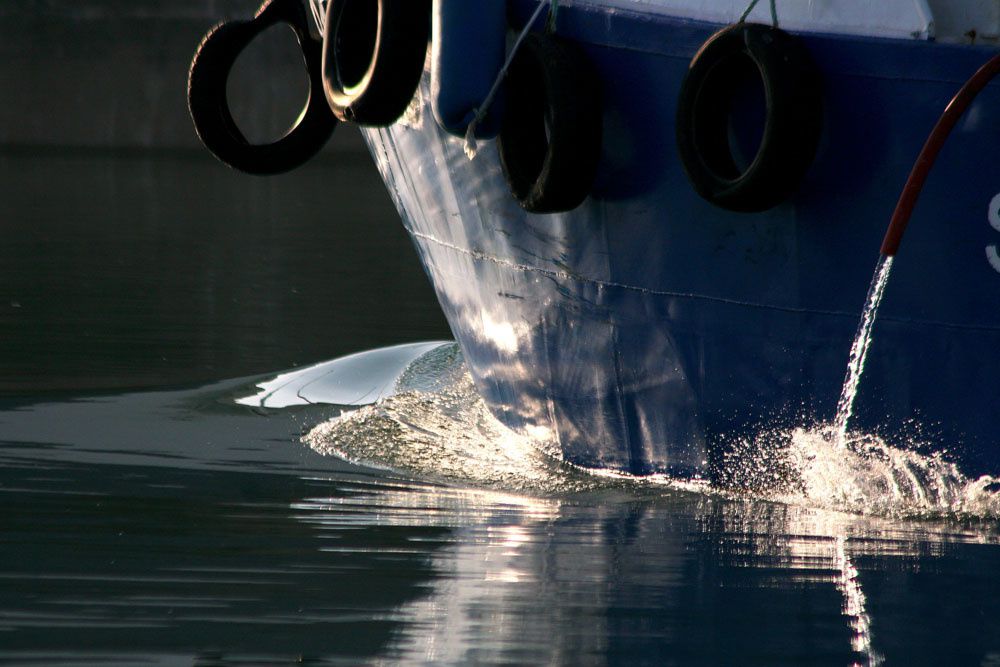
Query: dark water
146, 518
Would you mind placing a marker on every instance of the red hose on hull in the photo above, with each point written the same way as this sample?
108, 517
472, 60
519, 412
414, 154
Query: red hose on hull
922, 167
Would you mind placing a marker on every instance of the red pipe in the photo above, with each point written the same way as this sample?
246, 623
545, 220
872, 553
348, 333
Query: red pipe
945, 124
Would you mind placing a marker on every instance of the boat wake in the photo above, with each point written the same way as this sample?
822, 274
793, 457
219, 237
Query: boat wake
435, 426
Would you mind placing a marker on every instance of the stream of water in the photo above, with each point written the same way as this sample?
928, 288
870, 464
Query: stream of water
859, 349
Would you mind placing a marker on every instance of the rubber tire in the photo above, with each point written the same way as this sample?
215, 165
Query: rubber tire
793, 122
209, 106
386, 41
551, 85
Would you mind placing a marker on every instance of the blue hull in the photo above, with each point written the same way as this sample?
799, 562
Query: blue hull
647, 329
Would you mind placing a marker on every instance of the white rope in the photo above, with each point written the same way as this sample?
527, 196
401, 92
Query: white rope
471, 146
753, 3
319, 15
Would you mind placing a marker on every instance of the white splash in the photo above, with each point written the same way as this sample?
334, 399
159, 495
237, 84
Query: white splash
859, 350
863, 475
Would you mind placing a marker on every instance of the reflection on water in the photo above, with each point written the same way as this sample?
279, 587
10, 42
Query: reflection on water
855, 605
210, 536
675, 578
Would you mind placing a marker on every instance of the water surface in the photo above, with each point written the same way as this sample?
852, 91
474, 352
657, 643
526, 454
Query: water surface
148, 518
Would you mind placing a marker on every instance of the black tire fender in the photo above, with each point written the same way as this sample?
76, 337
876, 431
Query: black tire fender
550, 140
209, 106
373, 57
792, 125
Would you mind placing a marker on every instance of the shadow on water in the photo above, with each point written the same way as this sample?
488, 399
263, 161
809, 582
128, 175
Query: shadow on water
148, 270
116, 560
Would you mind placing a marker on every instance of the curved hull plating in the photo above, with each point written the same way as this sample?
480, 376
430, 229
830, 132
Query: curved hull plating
646, 328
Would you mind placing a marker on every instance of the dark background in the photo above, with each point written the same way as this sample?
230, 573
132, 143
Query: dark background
131, 258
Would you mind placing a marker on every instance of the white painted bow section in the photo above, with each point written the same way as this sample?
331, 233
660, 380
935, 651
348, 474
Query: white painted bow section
910, 19
966, 20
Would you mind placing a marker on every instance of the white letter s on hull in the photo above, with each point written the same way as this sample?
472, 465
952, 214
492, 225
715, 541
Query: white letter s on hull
992, 251
993, 256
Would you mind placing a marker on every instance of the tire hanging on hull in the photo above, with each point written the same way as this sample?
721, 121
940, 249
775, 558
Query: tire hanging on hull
373, 57
550, 139
792, 123
209, 106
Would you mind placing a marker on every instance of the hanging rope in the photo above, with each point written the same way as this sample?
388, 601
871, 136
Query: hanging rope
753, 3
319, 15
471, 146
